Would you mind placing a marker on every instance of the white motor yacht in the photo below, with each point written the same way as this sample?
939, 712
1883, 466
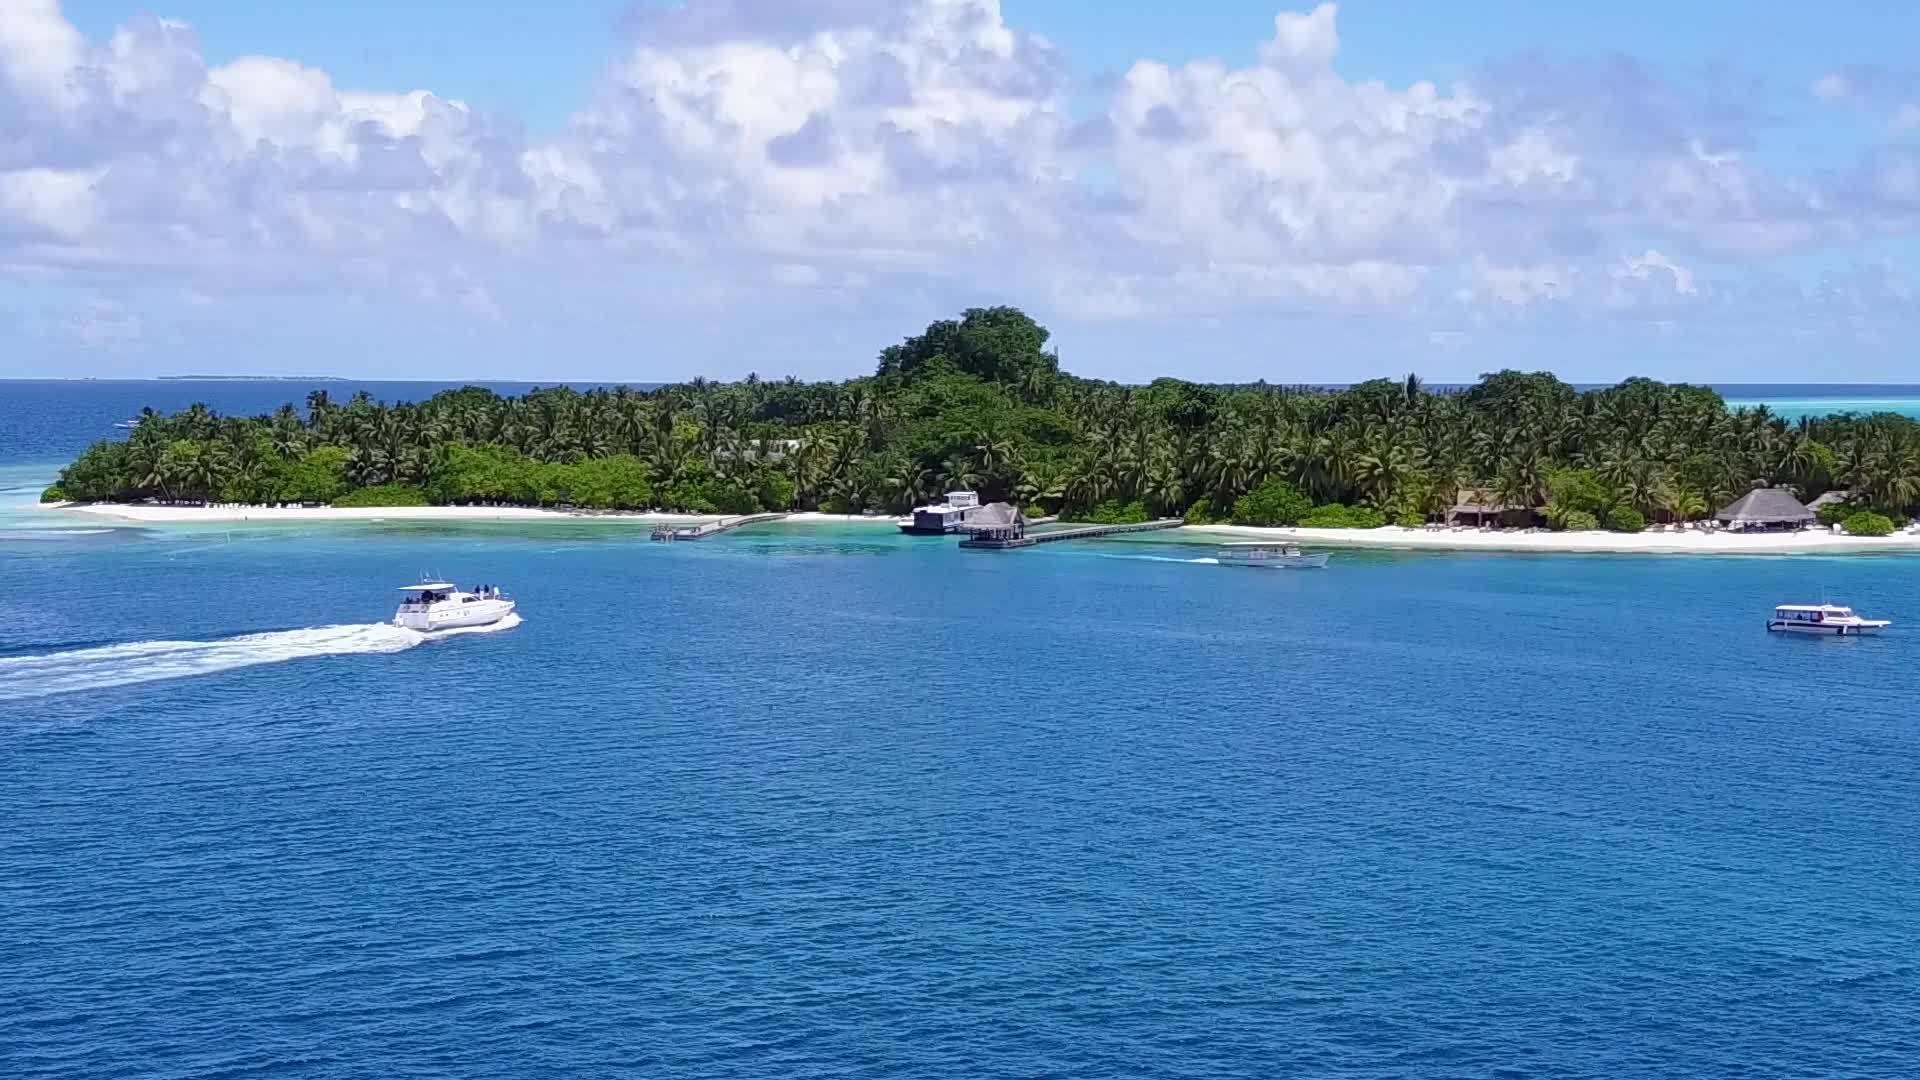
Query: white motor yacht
1269, 556
1823, 619
436, 605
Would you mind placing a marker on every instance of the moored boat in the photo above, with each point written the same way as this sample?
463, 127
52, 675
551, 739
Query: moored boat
1269, 556
1823, 619
938, 519
436, 605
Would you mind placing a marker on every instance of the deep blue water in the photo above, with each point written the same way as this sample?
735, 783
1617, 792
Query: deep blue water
838, 803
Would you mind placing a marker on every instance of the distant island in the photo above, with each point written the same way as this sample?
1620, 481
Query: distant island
981, 403
252, 378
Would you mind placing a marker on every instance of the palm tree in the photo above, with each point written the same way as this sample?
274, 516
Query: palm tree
958, 473
1390, 443
1677, 501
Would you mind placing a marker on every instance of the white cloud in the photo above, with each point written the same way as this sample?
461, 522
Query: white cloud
1832, 88
1892, 97
39, 50
1308, 40
1645, 266
925, 147
49, 202
1519, 286
100, 324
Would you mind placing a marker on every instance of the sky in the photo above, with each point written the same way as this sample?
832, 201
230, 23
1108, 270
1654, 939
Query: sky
1231, 190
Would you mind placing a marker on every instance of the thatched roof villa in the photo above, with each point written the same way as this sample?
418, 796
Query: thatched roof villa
1831, 498
1480, 506
1767, 508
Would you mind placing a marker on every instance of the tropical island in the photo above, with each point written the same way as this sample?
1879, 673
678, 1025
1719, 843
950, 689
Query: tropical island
980, 402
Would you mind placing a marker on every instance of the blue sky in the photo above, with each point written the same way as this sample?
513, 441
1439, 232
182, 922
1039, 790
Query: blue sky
595, 189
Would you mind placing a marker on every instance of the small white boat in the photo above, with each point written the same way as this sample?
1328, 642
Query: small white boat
1823, 619
436, 605
1269, 556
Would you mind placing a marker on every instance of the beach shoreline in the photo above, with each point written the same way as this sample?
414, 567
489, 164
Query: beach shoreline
1691, 542
153, 514
1387, 538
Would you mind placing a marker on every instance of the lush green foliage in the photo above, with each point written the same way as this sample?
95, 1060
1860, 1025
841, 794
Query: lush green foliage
1338, 516
1580, 521
1868, 523
462, 474
1577, 491
1836, 513
1274, 502
54, 494
1626, 519
1113, 513
318, 475
1199, 514
385, 495
980, 402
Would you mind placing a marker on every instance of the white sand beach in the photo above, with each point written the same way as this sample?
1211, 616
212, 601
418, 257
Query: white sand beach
154, 514
1390, 537
1657, 543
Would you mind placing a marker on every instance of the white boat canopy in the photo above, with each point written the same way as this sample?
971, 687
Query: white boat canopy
428, 587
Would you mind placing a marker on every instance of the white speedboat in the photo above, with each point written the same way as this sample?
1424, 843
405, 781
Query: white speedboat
1269, 556
1823, 619
436, 605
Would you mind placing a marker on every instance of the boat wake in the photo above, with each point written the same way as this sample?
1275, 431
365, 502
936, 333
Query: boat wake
150, 661
1208, 561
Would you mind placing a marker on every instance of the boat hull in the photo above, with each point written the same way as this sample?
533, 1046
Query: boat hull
929, 530
454, 616
1780, 627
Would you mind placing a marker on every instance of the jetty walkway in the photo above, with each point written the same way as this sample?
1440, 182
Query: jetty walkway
1012, 537
704, 529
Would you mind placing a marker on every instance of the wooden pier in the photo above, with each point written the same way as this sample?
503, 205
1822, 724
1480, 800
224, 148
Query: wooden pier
1016, 536
701, 530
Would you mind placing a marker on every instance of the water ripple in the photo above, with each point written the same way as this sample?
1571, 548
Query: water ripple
718, 815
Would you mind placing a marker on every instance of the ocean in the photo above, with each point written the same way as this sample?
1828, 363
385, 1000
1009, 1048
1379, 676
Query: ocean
1794, 401
831, 802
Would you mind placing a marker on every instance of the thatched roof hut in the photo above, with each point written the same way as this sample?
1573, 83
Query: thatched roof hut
1766, 508
1831, 498
1482, 505
997, 519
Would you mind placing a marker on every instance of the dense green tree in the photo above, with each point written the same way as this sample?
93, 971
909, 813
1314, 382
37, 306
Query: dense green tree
1868, 523
1275, 502
317, 476
980, 401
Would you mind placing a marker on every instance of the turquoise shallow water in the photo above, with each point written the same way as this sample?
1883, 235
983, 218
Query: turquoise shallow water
839, 803
1793, 408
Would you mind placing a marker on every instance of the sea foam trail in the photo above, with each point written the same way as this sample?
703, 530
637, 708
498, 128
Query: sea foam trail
1161, 558
149, 661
